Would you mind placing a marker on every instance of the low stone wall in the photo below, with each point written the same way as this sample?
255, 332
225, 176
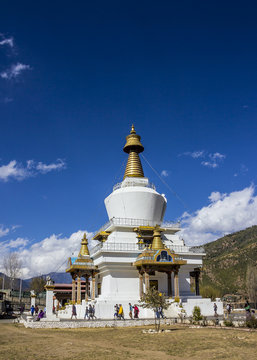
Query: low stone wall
72, 324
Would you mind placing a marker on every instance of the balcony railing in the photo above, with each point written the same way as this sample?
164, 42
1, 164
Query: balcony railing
134, 183
137, 248
137, 222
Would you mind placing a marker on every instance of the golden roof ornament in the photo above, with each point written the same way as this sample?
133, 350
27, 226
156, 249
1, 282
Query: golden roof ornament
133, 147
84, 248
157, 243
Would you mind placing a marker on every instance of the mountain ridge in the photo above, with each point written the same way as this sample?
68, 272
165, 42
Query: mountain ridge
227, 259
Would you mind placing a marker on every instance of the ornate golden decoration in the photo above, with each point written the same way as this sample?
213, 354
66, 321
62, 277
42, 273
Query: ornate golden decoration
149, 257
83, 264
157, 241
133, 147
151, 236
102, 236
84, 248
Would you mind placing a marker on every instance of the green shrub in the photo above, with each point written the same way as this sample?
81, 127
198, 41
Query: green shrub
208, 291
228, 323
252, 323
197, 314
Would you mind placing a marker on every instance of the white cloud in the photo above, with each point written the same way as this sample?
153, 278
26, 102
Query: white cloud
225, 214
164, 173
215, 196
215, 160
194, 154
12, 245
3, 230
197, 154
7, 41
212, 160
209, 164
50, 254
14, 71
13, 170
44, 168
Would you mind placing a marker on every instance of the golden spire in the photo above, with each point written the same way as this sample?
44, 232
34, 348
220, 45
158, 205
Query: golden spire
84, 249
133, 147
157, 243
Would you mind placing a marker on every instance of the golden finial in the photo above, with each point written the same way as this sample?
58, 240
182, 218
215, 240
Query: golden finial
133, 131
133, 147
157, 243
84, 248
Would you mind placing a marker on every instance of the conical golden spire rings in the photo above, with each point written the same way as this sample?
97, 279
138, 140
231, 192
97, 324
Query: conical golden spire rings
133, 147
157, 243
84, 248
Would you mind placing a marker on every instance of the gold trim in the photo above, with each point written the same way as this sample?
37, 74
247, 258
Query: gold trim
102, 236
157, 241
84, 248
49, 287
133, 147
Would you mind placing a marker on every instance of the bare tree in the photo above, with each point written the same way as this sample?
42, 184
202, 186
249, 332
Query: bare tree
251, 283
12, 266
37, 284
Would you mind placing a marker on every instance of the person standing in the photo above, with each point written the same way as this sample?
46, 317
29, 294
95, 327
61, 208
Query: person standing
32, 310
136, 312
116, 311
86, 313
157, 313
161, 312
215, 308
247, 309
121, 314
130, 311
90, 310
93, 312
73, 311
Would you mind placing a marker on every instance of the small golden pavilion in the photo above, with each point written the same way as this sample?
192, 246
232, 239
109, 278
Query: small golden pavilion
156, 257
82, 266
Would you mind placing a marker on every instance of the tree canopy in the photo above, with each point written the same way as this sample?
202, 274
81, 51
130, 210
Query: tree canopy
37, 284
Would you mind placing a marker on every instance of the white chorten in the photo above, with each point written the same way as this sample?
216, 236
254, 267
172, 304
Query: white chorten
137, 250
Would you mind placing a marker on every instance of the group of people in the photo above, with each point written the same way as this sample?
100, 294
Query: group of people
39, 313
119, 313
89, 313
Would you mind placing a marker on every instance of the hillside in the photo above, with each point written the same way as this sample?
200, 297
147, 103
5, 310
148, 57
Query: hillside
227, 258
57, 277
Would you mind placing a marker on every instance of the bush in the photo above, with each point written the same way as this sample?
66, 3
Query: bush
228, 323
197, 314
208, 291
252, 323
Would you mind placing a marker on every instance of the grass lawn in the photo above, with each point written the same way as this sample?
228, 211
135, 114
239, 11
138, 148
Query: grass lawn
17, 342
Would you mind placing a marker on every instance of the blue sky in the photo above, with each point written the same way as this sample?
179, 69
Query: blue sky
75, 76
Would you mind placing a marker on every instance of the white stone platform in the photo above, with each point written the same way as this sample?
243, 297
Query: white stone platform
72, 324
